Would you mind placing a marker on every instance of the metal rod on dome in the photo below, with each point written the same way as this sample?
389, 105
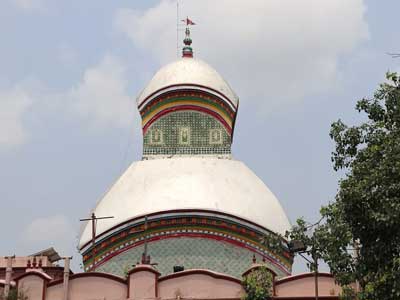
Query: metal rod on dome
177, 28
145, 259
94, 219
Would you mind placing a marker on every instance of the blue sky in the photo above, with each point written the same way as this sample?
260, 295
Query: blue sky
70, 72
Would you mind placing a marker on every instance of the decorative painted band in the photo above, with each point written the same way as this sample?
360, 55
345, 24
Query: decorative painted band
118, 249
185, 87
208, 226
170, 214
191, 99
200, 95
160, 105
225, 123
185, 218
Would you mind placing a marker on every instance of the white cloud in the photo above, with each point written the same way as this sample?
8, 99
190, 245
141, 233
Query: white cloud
29, 5
53, 231
14, 103
272, 52
54, 228
101, 97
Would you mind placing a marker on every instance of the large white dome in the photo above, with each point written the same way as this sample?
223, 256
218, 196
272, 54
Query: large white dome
157, 185
188, 71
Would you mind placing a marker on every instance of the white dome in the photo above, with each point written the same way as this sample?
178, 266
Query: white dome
158, 185
186, 71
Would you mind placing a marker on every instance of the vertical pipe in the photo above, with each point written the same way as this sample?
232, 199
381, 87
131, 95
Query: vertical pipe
145, 240
316, 276
177, 28
93, 241
8, 276
66, 277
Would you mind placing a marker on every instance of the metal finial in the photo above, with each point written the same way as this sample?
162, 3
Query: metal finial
187, 50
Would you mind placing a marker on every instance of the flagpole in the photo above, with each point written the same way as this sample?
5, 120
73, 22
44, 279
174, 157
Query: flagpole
177, 28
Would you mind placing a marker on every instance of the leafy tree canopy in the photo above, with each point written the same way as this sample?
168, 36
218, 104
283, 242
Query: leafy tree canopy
366, 214
258, 284
359, 233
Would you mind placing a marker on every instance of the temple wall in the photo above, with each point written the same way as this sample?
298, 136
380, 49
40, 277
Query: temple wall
55, 292
84, 287
144, 282
32, 286
201, 286
304, 285
22, 261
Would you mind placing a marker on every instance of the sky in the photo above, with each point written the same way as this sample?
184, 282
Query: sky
70, 72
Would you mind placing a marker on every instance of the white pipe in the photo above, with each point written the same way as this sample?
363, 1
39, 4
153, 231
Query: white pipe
8, 275
66, 277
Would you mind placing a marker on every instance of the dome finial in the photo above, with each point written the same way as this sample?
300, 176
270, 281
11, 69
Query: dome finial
187, 50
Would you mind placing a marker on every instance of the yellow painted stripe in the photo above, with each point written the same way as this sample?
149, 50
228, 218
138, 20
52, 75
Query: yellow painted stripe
226, 117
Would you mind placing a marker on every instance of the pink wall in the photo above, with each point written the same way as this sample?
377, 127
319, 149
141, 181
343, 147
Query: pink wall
22, 261
32, 286
201, 286
55, 292
89, 287
144, 282
304, 285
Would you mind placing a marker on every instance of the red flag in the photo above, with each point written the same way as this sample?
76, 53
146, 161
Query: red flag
188, 21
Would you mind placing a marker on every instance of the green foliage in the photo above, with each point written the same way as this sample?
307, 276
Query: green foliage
274, 242
258, 284
360, 237
348, 293
308, 235
14, 295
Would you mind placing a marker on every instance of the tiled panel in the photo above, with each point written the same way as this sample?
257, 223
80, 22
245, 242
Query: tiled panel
192, 253
186, 132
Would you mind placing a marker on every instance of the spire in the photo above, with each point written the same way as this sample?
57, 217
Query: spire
187, 50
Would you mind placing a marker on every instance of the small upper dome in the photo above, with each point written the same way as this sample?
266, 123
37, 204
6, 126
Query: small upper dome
187, 71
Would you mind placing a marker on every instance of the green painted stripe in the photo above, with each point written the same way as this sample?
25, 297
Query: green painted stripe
212, 228
144, 113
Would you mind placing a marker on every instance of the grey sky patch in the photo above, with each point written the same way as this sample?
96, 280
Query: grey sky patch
15, 102
30, 5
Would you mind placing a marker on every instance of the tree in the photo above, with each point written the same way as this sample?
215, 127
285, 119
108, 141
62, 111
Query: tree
14, 295
258, 284
360, 236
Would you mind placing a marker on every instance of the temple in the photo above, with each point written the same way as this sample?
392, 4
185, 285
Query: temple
187, 220
204, 209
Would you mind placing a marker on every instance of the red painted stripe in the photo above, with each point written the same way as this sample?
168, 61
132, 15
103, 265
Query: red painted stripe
185, 84
206, 96
187, 107
220, 215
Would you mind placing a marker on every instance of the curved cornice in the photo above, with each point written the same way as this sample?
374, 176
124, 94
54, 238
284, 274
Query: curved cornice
201, 272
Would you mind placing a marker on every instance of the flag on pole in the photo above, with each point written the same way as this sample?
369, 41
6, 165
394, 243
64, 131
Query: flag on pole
188, 21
